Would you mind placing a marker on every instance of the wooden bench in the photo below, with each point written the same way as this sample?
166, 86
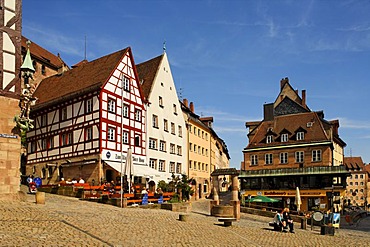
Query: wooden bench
227, 221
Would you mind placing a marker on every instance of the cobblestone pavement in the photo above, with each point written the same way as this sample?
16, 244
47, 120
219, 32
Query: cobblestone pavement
65, 221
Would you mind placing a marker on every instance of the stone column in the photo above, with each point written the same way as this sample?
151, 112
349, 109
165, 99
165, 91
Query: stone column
235, 199
216, 199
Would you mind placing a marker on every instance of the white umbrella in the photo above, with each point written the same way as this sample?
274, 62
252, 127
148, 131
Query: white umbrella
298, 200
129, 168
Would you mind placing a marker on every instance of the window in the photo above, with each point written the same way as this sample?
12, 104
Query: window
111, 134
202, 166
195, 148
283, 158
190, 164
178, 168
198, 149
66, 139
189, 128
356, 176
88, 134
126, 83
50, 171
172, 128
161, 166
299, 156
199, 132
155, 121
162, 146
172, 167
43, 69
361, 176
206, 137
179, 150
207, 152
165, 125
202, 134
33, 147
300, 136
137, 141
268, 159
160, 101
138, 115
202, 151
153, 163
111, 105
125, 137
180, 131
63, 114
50, 142
191, 147
172, 148
44, 120
43, 144
174, 109
125, 110
316, 155
152, 143
89, 105
284, 137
254, 160
269, 139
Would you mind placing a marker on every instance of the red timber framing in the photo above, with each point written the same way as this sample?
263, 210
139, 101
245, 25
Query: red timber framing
51, 135
78, 118
123, 110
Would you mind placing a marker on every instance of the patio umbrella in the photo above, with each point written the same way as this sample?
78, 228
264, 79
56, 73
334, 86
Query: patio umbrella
129, 168
298, 200
262, 199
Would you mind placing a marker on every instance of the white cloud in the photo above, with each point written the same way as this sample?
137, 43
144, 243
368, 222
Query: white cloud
353, 124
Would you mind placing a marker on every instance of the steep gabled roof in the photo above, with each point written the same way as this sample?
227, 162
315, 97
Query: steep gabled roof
42, 54
315, 131
87, 75
147, 72
353, 163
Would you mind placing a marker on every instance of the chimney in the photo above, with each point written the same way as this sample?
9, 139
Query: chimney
283, 82
185, 102
304, 98
191, 107
268, 112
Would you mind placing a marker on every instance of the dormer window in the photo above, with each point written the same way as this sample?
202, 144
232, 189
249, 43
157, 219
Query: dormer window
300, 136
284, 137
269, 139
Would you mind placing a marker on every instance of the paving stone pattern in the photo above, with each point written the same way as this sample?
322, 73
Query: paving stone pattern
65, 221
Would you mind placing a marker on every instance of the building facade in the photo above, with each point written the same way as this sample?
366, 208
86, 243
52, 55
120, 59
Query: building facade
86, 119
10, 91
166, 130
294, 147
357, 187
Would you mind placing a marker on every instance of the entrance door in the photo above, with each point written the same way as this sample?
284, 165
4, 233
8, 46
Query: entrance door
200, 190
109, 175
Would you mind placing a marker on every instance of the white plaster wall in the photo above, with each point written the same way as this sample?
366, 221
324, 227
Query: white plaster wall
169, 95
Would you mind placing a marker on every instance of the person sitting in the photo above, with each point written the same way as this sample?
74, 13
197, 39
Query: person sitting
288, 219
279, 223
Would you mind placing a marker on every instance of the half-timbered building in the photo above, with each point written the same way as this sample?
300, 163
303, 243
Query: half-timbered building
85, 121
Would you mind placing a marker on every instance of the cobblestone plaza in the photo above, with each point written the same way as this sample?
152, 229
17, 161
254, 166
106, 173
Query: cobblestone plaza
65, 221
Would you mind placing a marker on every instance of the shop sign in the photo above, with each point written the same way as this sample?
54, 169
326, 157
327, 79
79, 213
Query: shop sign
8, 136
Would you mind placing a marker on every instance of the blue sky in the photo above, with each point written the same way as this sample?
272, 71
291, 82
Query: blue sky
228, 56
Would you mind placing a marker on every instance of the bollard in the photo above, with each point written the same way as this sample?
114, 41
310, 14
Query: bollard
40, 197
183, 217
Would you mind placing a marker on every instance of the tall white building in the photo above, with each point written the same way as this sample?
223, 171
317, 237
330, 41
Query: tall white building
166, 130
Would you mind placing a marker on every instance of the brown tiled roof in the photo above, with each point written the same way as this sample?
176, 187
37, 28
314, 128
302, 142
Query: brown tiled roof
353, 162
42, 54
147, 72
94, 73
289, 123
